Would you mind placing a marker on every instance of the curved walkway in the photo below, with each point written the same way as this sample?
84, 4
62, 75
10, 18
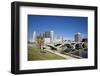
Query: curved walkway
57, 53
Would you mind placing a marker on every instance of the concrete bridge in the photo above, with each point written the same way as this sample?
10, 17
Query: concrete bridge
73, 44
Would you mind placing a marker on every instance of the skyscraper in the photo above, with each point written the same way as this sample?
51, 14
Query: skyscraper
47, 37
78, 37
52, 36
34, 36
46, 34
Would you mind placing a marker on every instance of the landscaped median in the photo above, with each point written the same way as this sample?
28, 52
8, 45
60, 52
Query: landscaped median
37, 54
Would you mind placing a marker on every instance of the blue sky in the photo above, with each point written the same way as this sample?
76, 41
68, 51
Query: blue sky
65, 26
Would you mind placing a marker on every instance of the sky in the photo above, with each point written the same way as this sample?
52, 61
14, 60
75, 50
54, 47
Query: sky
65, 26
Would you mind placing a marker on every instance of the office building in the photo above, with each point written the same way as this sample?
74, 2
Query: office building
34, 37
78, 37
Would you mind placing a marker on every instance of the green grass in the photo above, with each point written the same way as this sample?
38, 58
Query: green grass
37, 54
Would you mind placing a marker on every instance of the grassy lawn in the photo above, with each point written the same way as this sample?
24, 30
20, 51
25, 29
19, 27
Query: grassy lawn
36, 54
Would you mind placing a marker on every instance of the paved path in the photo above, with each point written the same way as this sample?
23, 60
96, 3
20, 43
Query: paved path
57, 53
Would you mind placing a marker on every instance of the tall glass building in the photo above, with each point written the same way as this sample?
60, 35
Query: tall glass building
78, 37
34, 36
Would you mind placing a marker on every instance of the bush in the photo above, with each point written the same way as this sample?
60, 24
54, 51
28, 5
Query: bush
77, 53
67, 50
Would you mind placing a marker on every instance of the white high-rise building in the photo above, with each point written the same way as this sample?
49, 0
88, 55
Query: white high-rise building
34, 37
52, 36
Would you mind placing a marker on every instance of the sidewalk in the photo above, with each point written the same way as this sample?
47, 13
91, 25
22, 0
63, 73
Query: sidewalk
57, 53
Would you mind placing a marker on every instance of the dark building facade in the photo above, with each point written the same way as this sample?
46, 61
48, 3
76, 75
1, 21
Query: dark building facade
47, 35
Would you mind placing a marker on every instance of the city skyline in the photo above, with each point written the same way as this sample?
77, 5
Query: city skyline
65, 26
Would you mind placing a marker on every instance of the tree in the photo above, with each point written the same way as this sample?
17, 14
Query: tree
29, 42
84, 40
84, 45
40, 41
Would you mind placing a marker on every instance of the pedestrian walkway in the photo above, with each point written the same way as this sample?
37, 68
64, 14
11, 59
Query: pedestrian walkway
57, 53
